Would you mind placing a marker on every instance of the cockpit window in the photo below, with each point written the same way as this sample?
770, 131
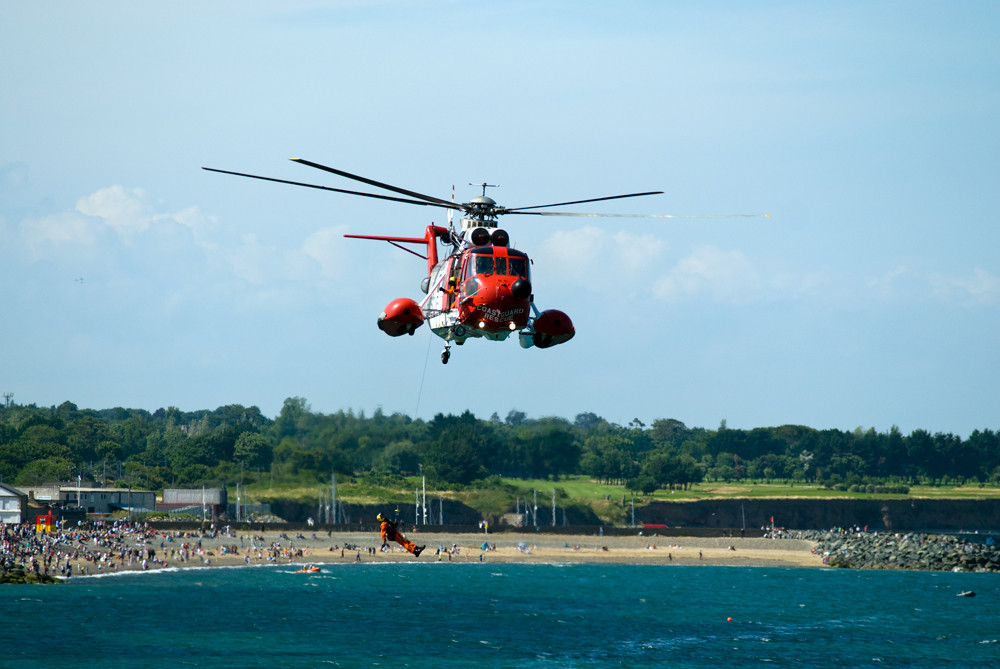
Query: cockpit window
484, 265
509, 266
518, 267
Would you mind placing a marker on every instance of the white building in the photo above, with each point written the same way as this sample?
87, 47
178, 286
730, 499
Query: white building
13, 505
95, 500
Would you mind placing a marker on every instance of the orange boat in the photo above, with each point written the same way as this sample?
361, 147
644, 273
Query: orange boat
310, 569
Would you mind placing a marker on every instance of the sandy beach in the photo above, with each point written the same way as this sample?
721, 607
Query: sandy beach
292, 548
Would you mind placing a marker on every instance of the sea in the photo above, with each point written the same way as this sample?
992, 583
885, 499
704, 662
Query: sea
434, 614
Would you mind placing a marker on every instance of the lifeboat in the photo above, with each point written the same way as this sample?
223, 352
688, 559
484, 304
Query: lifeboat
310, 569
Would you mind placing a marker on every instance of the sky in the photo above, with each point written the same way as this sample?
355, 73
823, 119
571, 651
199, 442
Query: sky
869, 131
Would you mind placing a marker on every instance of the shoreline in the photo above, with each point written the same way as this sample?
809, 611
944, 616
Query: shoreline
291, 549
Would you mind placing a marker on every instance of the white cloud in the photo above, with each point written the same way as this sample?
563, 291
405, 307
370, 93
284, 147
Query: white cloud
201, 224
131, 211
249, 260
637, 253
885, 285
126, 210
724, 276
326, 247
574, 252
977, 286
64, 229
591, 252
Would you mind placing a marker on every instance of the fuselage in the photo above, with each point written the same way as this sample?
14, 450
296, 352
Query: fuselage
483, 291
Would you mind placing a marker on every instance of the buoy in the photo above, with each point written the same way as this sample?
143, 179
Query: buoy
729, 620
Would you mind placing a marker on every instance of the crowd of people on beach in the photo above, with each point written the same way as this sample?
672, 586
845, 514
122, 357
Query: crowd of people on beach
111, 546
93, 548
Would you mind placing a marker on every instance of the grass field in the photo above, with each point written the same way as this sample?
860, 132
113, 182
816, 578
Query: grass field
605, 500
583, 488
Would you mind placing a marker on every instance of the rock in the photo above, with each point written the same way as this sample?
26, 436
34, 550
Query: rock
912, 551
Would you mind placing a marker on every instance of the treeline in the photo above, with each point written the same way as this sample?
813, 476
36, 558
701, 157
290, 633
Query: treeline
173, 448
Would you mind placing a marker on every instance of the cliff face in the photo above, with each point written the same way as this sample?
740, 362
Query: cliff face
897, 515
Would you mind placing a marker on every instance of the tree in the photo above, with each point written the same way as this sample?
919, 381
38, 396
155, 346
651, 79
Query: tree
85, 435
515, 417
292, 420
587, 420
38, 442
400, 458
643, 483
253, 451
920, 451
45, 470
668, 432
464, 449
609, 458
545, 448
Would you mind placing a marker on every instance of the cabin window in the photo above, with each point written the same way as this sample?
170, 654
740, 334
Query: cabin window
471, 287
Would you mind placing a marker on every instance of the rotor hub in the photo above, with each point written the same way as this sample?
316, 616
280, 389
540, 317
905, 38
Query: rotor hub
482, 212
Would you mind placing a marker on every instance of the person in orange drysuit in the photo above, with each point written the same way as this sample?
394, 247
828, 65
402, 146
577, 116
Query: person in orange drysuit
388, 530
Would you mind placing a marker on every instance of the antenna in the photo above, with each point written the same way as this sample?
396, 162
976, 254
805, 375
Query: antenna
453, 202
484, 186
8, 399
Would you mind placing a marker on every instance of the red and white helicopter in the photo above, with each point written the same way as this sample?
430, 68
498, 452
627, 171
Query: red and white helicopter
482, 287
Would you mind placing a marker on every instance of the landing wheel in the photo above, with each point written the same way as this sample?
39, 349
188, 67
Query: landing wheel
445, 354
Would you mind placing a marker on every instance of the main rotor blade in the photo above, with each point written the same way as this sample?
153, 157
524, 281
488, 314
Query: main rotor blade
560, 213
336, 190
593, 199
379, 184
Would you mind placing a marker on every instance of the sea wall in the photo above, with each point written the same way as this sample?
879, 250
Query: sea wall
888, 515
927, 552
724, 515
454, 512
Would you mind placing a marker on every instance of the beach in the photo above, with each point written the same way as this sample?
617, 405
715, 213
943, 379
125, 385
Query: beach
555, 548
277, 547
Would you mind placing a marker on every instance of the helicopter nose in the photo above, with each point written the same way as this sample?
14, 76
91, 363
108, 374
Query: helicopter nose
521, 289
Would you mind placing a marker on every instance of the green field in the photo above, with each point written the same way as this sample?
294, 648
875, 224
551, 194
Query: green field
611, 503
583, 488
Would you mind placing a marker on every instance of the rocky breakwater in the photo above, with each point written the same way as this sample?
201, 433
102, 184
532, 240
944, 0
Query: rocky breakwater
15, 573
927, 552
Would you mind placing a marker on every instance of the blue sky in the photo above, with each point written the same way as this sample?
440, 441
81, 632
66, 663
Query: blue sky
870, 131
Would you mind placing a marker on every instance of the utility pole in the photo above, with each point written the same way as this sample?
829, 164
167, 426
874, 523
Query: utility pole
333, 497
423, 484
553, 507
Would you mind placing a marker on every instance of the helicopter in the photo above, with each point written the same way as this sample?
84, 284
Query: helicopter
480, 287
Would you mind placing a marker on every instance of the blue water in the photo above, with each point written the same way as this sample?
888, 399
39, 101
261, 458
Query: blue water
504, 615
